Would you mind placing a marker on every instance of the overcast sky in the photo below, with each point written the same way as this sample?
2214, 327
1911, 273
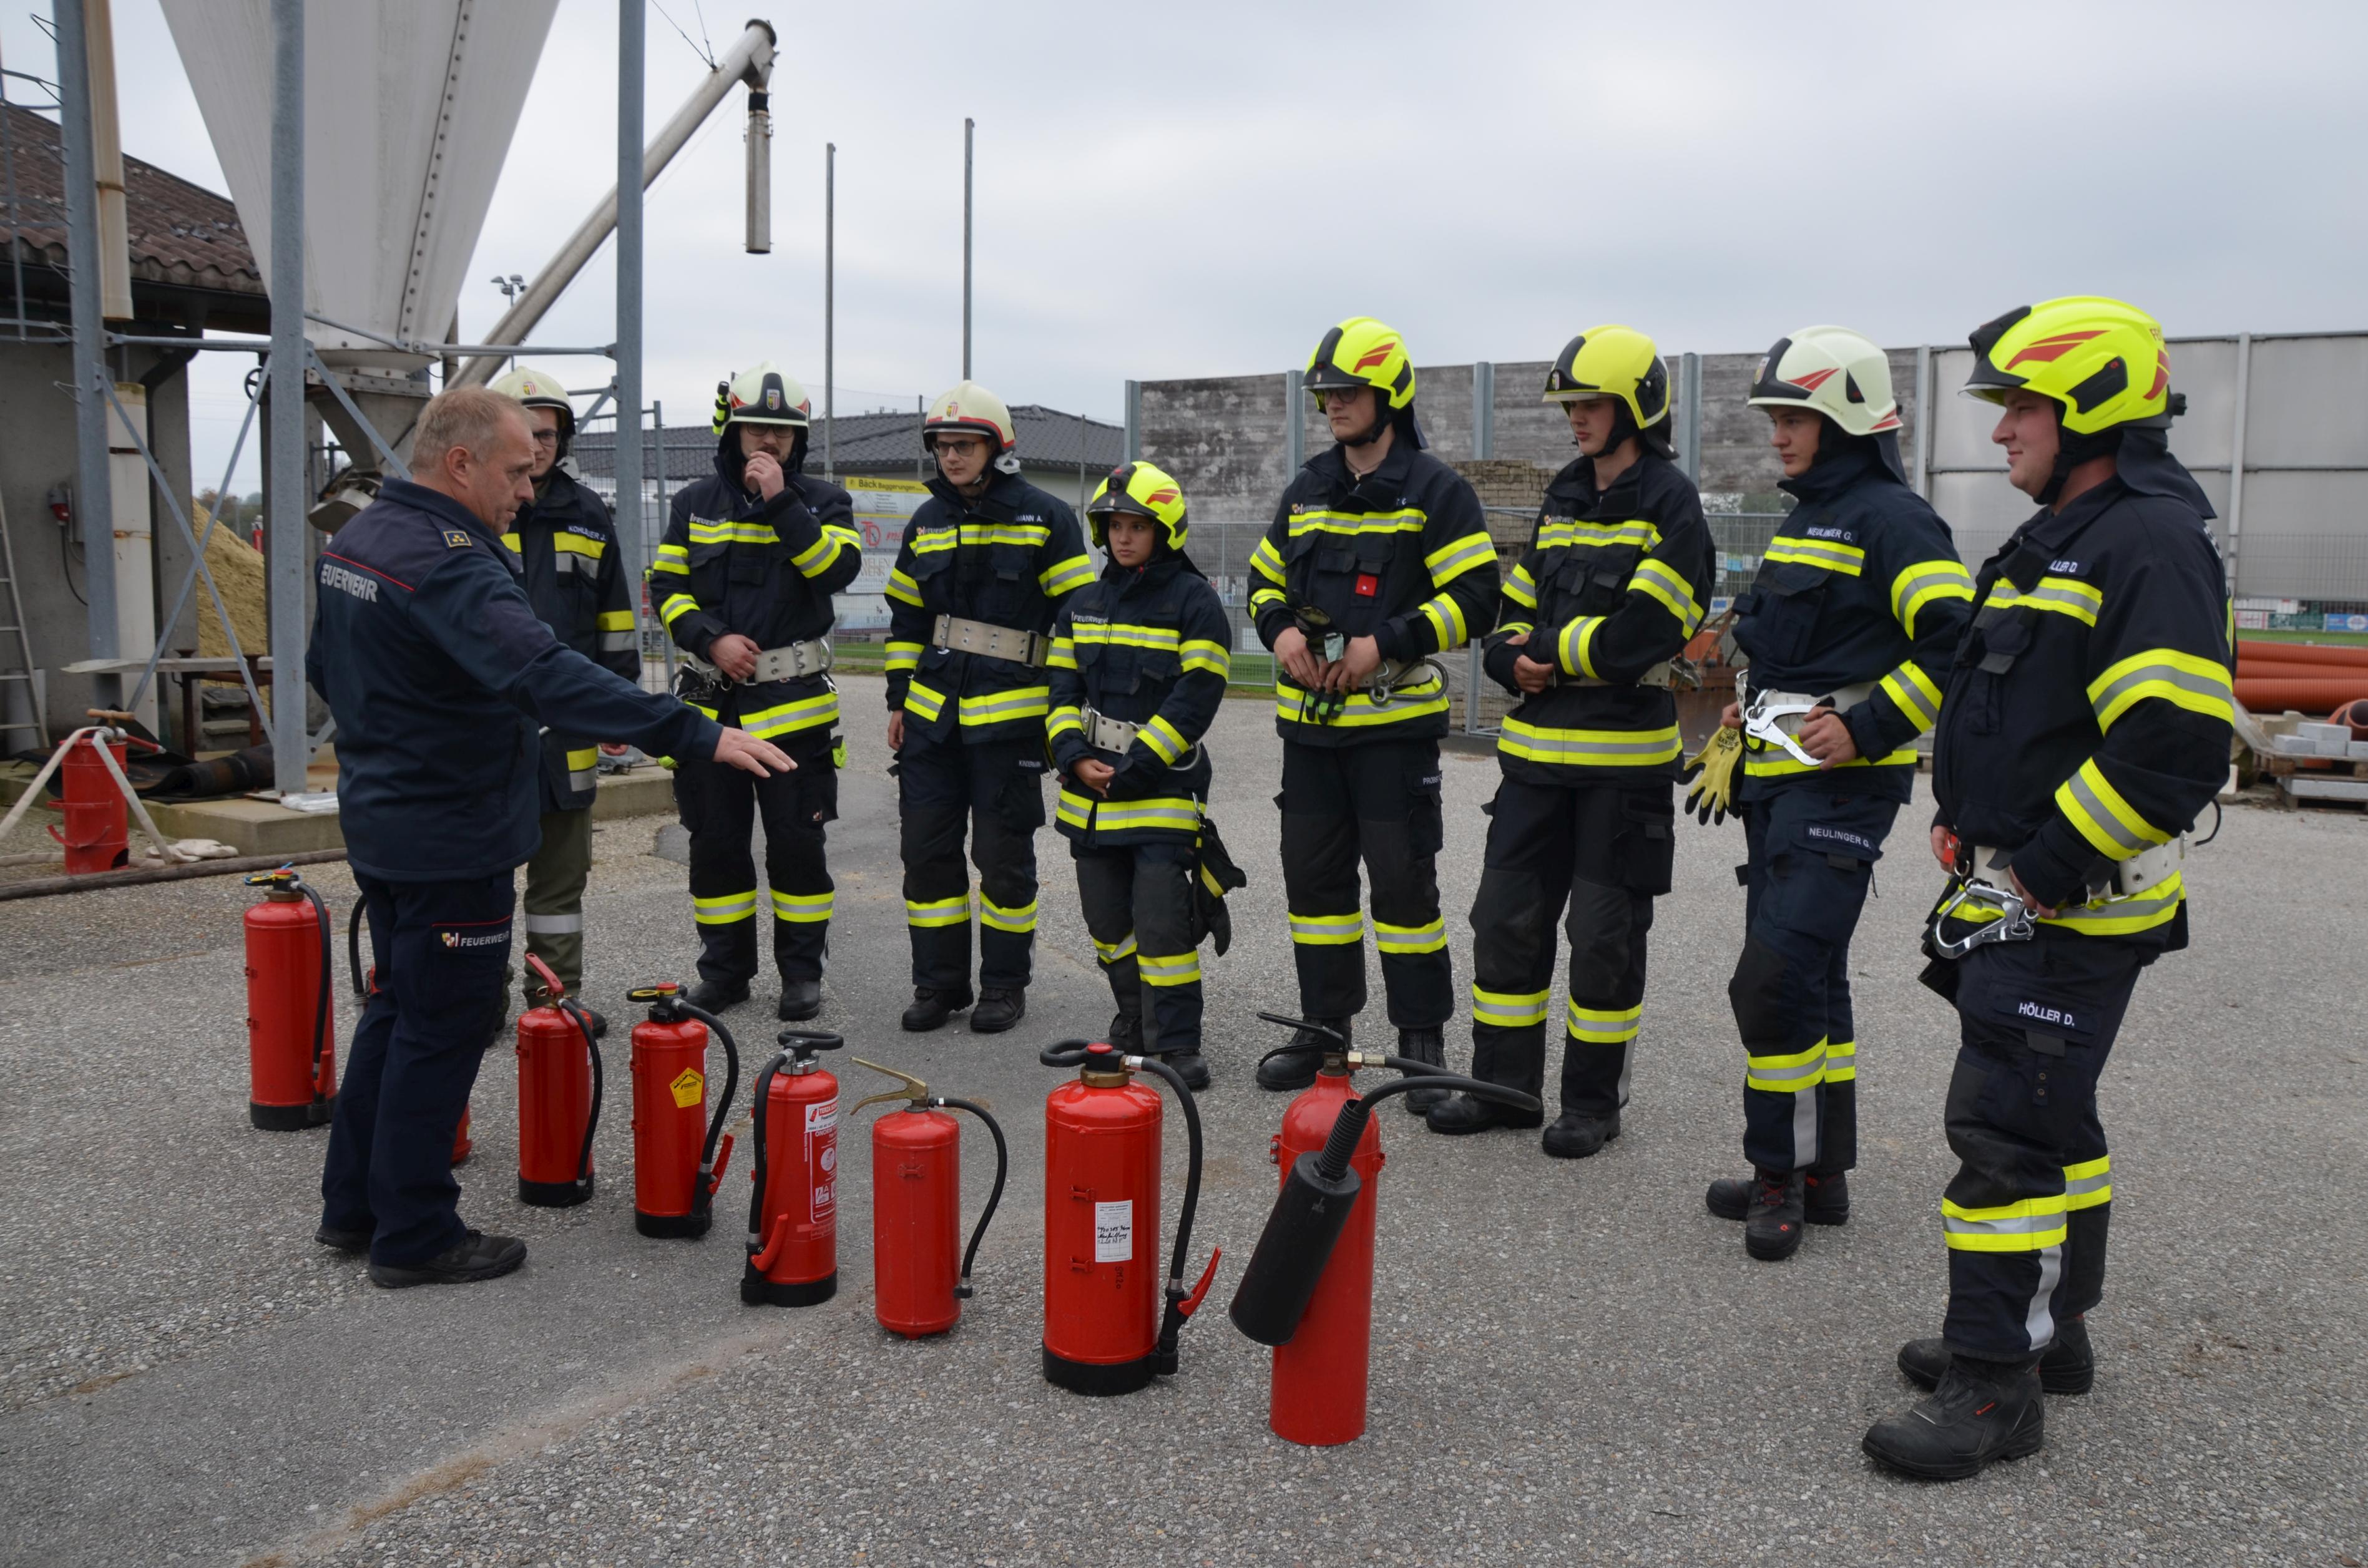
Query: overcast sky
1201, 191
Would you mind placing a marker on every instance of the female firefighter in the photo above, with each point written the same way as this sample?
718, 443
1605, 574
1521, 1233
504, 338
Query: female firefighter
1138, 667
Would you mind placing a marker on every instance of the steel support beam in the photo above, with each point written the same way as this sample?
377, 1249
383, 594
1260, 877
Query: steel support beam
631, 40
93, 502
292, 743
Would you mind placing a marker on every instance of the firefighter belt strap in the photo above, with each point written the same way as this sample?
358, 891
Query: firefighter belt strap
790, 662
1658, 675
1117, 735
955, 635
2130, 877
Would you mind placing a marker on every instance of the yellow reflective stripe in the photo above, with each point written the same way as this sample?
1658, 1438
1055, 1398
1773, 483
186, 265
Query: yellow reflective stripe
932, 541
2088, 1183
1573, 647
1062, 655
724, 908
1446, 617
2058, 595
1572, 531
1164, 739
671, 558
787, 717
1665, 583
1327, 930
616, 621
1065, 577
1061, 721
2028, 1225
577, 761
1841, 1061
1602, 1025
1774, 764
577, 544
1002, 707
802, 909
902, 586
1173, 814
2105, 917
1522, 589
517, 545
922, 703
1183, 968
1835, 556
1508, 1010
1924, 582
703, 531
1108, 953
815, 558
1267, 562
1408, 521
2111, 824
1028, 536
904, 655
1589, 748
1074, 810
2198, 685
1428, 937
1211, 658
1411, 703
938, 912
1019, 921
1913, 693
1262, 597
1458, 556
674, 607
1123, 634
1524, 627
1787, 1074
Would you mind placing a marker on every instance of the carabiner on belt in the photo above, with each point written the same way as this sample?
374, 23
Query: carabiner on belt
2012, 925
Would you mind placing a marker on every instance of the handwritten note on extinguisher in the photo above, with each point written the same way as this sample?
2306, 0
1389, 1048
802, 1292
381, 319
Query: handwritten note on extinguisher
1114, 1232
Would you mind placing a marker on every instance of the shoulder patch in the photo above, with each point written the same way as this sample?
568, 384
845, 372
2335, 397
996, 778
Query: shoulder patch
455, 539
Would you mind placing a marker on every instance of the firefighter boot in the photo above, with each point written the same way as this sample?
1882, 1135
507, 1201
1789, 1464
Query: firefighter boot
1980, 1410
931, 1008
1294, 1065
715, 996
1574, 1135
1825, 1201
1516, 1064
801, 1000
1771, 1229
1126, 1034
998, 1009
1429, 1048
2067, 1366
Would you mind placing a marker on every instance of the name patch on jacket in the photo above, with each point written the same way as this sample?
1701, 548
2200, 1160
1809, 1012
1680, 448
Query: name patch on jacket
347, 580
2050, 1016
456, 539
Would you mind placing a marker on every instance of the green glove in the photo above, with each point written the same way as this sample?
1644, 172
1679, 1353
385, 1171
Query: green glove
1710, 772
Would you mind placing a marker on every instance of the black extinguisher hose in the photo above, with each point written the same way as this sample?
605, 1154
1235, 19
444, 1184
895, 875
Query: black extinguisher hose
591, 1123
1002, 1166
764, 1095
354, 952
328, 970
701, 1198
1171, 1322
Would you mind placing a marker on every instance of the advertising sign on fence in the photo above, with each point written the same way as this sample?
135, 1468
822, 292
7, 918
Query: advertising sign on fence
883, 508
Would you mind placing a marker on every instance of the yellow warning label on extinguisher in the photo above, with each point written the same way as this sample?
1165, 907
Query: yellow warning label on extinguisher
689, 1089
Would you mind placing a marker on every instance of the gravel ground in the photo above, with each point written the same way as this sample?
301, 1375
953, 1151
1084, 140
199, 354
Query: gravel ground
1571, 1361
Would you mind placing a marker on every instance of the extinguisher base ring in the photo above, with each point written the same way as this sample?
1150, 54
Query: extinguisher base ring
760, 1291
291, 1117
1097, 1379
686, 1226
555, 1194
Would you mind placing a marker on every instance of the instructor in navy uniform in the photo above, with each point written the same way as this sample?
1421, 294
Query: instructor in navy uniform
440, 677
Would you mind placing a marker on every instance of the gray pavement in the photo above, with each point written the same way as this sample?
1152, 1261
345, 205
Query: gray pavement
1573, 1362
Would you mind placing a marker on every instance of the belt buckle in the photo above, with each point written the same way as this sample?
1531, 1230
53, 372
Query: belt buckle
1760, 722
2013, 923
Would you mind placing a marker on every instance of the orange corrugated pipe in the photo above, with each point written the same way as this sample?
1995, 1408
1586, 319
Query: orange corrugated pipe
2315, 696
2250, 649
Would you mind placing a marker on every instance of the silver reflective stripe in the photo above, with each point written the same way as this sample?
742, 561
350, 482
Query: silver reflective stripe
953, 634
2086, 1185
2008, 1226
2048, 593
2170, 674
2040, 1321
616, 642
1547, 742
554, 925
589, 778
1805, 1127
2103, 816
563, 563
1627, 1065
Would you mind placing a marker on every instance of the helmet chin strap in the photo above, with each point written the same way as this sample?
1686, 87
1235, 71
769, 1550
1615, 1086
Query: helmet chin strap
2072, 449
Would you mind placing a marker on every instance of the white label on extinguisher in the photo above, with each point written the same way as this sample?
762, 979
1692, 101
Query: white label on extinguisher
822, 1156
1114, 1232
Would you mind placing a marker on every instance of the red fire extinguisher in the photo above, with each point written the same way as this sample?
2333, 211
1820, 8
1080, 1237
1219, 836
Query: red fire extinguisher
916, 1206
1104, 1330
291, 1041
1309, 1288
559, 1098
96, 831
676, 1170
793, 1206
366, 987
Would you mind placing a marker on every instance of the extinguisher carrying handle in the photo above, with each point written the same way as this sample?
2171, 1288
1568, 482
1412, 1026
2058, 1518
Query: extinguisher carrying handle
1002, 1164
702, 1193
1064, 1053
1182, 1303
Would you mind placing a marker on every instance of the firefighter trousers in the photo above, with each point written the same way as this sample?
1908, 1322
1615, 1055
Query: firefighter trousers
996, 792
719, 805
555, 900
1138, 904
1378, 800
1605, 852
2026, 1214
1810, 865
440, 950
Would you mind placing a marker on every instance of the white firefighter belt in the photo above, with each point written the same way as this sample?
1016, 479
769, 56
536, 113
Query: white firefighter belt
1988, 882
790, 663
1116, 735
954, 635
1659, 675
1774, 718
